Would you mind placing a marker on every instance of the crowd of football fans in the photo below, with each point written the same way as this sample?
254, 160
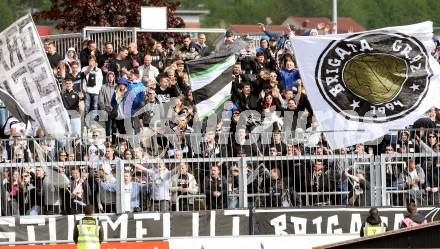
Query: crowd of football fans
265, 79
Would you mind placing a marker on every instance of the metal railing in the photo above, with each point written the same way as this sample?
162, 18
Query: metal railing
213, 172
65, 41
119, 36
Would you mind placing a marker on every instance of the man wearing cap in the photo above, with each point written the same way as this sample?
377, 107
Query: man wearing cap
229, 40
281, 40
133, 76
270, 54
170, 52
264, 43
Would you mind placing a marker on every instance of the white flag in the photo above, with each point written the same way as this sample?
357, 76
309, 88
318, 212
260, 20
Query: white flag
26, 75
370, 82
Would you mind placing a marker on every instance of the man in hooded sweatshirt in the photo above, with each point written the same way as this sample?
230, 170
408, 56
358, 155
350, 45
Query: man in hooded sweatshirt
373, 224
413, 218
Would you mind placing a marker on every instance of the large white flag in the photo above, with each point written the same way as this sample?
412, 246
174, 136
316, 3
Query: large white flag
371, 81
25, 73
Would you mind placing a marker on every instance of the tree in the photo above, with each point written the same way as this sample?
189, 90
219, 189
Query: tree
10, 10
73, 15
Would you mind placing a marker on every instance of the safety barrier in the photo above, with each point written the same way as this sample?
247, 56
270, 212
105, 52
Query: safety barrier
216, 171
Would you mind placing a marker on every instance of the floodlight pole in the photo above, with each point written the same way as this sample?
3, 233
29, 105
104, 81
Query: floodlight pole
335, 14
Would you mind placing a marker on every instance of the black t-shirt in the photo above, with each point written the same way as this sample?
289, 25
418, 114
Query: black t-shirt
54, 59
156, 58
106, 58
138, 57
116, 66
182, 182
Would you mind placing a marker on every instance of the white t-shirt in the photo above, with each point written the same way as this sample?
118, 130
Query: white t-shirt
127, 198
413, 176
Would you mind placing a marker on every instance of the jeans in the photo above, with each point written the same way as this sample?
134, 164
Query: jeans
342, 199
90, 102
35, 210
111, 129
233, 202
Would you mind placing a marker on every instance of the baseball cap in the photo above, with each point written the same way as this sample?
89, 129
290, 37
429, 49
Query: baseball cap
123, 81
229, 33
170, 40
135, 71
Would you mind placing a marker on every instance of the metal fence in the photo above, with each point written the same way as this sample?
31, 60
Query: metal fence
118, 36
204, 171
65, 41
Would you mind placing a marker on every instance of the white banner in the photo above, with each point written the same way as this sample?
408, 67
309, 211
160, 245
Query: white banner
370, 82
27, 76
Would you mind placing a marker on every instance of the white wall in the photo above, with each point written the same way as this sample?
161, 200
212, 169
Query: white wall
258, 242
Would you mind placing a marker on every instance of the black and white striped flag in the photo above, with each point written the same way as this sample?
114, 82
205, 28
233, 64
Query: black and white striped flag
211, 82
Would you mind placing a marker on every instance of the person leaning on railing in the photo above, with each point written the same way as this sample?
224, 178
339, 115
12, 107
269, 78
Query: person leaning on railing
413, 179
216, 189
132, 192
160, 186
106, 200
183, 184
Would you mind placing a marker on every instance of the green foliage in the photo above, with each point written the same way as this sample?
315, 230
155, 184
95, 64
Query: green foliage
10, 10
369, 13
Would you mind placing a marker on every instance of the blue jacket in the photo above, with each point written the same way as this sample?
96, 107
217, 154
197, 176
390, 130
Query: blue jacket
280, 38
131, 102
288, 78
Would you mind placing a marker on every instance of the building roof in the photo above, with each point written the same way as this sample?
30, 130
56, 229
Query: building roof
239, 29
44, 30
345, 24
191, 12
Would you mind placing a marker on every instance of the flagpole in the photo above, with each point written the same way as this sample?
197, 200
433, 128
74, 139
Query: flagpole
335, 15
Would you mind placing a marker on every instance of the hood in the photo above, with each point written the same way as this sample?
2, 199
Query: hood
374, 220
106, 77
416, 217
